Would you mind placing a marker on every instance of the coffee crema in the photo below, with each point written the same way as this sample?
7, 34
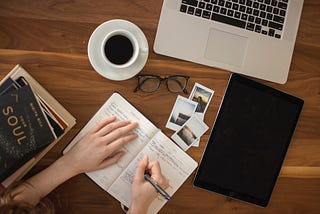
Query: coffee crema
118, 49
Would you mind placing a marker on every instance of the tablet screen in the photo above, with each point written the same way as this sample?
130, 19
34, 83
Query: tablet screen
249, 141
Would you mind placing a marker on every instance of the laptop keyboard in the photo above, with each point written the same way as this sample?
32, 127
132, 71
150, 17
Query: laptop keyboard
261, 16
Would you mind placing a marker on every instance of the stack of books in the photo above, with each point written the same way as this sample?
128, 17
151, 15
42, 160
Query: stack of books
32, 122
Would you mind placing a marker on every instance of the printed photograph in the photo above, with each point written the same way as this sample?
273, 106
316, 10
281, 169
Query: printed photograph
189, 133
202, 95
182, 110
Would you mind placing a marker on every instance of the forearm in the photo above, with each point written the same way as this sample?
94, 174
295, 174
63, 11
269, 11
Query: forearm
48, 179
44, 182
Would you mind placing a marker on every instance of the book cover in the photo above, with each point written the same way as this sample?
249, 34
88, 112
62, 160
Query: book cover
61, 115
57, 128
7, 86
24, 129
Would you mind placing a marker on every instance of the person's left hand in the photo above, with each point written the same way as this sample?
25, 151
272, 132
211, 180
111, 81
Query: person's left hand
99, 148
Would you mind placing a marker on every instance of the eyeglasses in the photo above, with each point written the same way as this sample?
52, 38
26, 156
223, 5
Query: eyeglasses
151, 83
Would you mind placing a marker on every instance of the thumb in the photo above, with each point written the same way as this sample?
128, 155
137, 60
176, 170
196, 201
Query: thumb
111, 160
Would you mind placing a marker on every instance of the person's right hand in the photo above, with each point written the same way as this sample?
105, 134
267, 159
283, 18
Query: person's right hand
143, 193
99, 147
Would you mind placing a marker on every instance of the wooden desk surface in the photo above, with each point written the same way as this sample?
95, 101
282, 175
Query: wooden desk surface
49, 38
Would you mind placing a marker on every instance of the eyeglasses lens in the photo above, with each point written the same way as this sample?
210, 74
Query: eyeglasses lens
149, 83
176, 84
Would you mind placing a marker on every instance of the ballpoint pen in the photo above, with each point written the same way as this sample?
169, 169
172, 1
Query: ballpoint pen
148, 178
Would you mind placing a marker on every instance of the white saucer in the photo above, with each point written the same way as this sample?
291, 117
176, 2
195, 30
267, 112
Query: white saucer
97, 60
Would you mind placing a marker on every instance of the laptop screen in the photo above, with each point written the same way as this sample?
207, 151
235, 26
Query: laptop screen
249, 141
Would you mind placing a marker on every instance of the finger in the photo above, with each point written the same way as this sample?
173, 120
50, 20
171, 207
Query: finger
141, 168
156, 174
111, 160
119, 132
103, 123
112, 126
154, 168
117, 144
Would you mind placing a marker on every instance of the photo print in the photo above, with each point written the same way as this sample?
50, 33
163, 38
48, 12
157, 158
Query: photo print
182, 110
202, 95
190, 132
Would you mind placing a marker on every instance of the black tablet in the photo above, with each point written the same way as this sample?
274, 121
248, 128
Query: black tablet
248, 142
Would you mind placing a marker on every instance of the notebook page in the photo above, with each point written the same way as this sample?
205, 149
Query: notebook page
118, 106
175, 165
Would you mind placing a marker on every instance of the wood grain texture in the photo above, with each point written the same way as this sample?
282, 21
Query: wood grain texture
49, 38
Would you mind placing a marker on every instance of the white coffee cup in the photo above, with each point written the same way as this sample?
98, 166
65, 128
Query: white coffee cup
127, 68
120, 48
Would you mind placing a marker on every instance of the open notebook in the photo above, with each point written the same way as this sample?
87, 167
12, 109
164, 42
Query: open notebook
176, 165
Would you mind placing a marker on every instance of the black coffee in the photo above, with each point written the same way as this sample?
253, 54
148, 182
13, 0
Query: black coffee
118, 49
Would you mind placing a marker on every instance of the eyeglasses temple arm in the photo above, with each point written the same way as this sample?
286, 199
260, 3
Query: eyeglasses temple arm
185, 91
184, 88
137, 88
139, 84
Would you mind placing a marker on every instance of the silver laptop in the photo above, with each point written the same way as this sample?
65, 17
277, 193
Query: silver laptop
250, 37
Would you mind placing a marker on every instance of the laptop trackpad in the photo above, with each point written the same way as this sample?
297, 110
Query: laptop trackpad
226, 48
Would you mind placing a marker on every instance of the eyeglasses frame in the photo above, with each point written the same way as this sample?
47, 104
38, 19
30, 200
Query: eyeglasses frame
161, 79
